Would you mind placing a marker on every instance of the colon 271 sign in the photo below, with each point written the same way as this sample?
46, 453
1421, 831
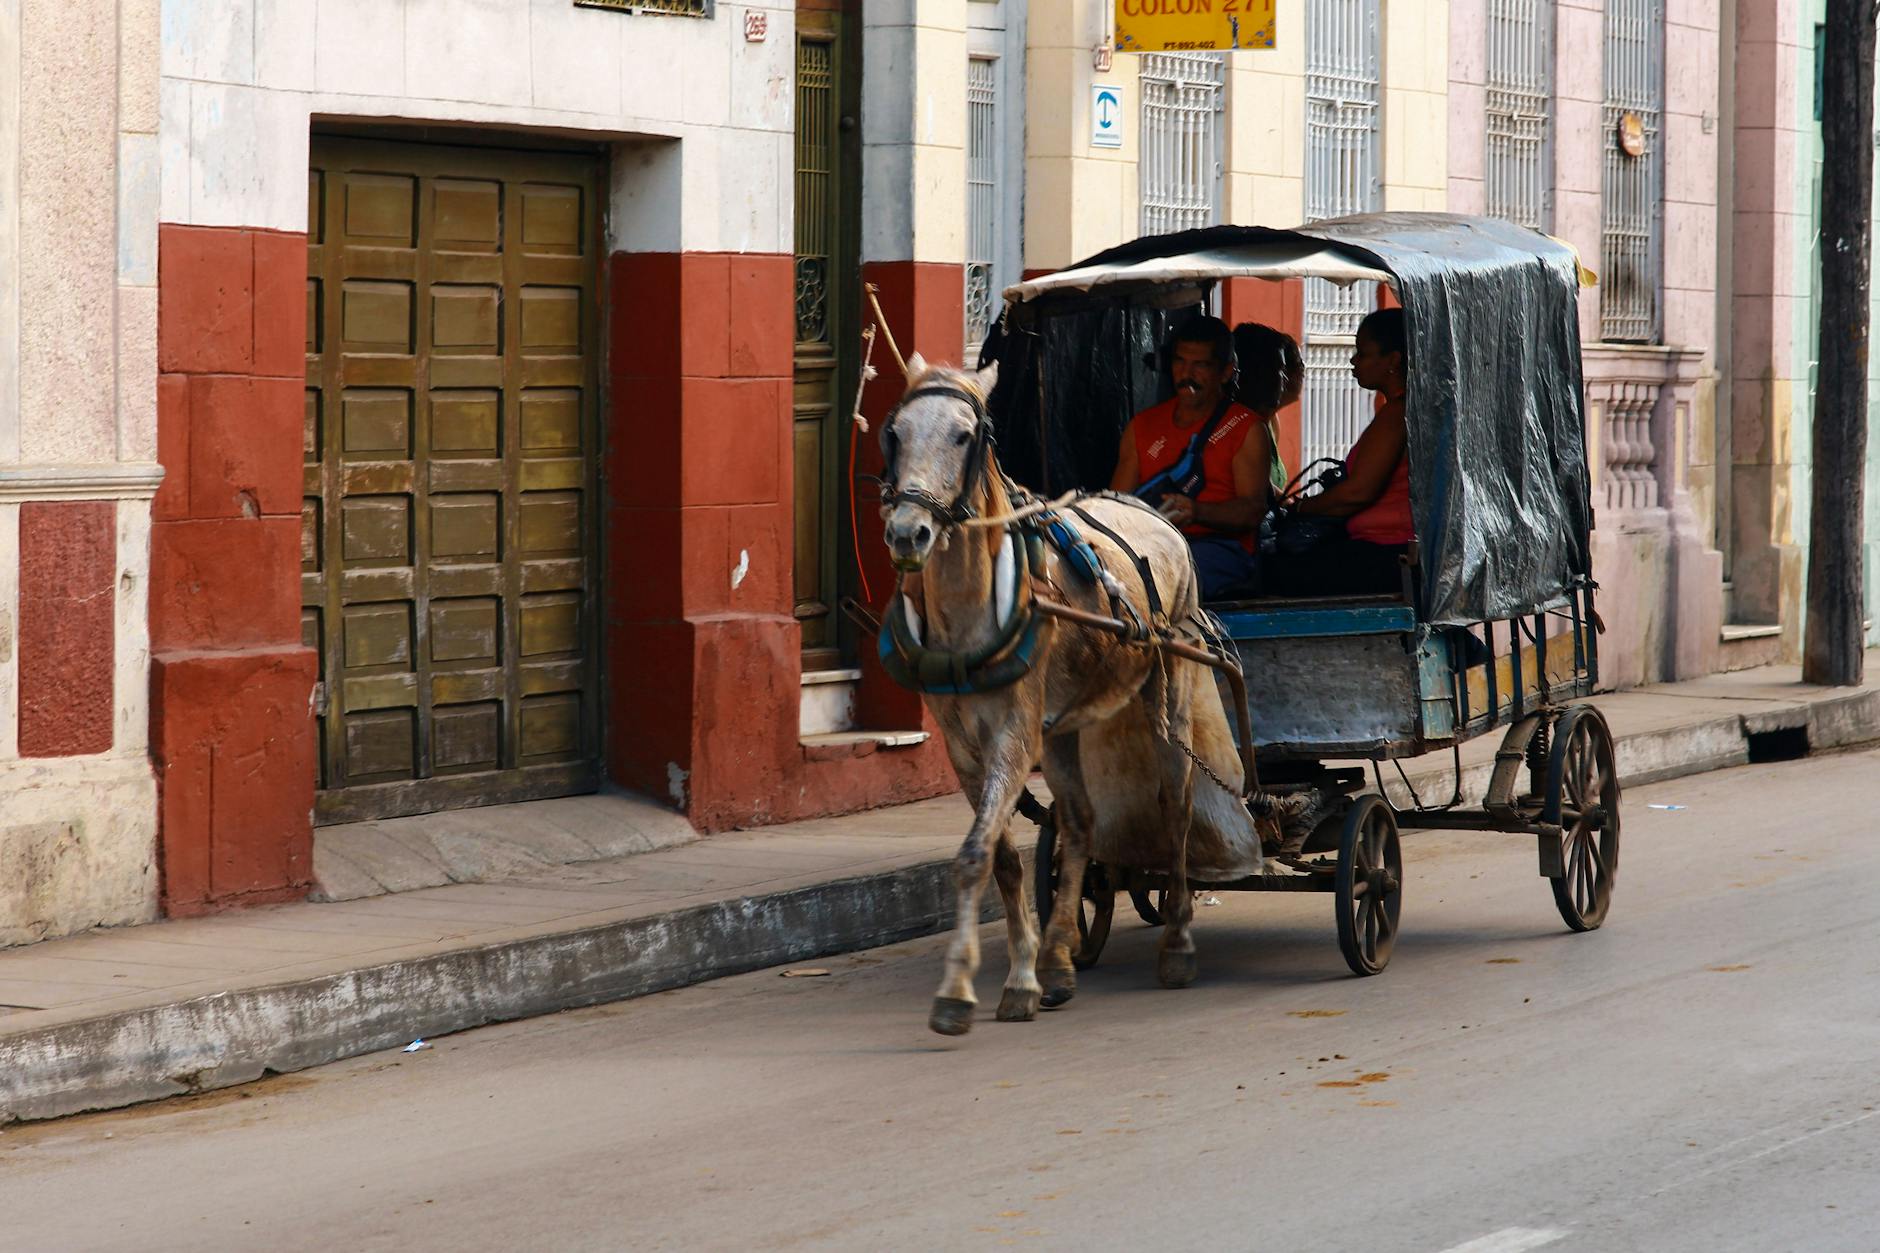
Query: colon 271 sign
1176, 25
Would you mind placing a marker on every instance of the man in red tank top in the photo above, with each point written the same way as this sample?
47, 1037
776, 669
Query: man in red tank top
1222, 516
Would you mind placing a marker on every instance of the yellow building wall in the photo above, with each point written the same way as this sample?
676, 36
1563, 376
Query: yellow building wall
1266, 127
1416, 104
1080, 200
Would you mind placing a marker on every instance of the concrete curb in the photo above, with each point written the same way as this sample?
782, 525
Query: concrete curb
234, 1037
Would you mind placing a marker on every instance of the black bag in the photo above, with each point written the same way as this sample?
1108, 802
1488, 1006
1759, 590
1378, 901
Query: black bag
1290, 533
1293, 534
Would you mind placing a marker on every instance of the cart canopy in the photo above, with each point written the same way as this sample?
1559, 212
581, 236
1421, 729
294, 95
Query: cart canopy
1499, 485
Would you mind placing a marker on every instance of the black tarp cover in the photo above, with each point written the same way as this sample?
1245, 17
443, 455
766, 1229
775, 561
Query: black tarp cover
1499, 486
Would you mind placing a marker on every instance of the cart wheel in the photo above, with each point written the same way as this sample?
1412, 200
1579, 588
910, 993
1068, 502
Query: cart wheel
1094, 912
1368, 888
1147, 910
1583, 797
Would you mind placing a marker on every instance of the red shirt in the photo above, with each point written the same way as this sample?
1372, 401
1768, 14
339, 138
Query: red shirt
1386, 520
1160, 443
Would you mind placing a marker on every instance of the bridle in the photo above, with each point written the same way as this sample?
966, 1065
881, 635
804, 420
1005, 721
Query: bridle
977, 459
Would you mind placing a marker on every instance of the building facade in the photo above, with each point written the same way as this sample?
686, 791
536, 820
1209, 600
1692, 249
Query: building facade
412, 404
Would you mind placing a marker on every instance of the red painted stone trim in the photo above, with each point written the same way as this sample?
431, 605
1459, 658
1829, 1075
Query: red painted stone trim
68, 628
232, 731
233, 745
704, 679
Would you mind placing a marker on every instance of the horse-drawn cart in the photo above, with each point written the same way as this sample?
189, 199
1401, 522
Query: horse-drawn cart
1495, 627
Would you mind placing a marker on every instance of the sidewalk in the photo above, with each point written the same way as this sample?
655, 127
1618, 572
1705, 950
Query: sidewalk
115, 1017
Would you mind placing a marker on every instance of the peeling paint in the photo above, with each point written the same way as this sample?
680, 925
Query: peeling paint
741, 569
675, 783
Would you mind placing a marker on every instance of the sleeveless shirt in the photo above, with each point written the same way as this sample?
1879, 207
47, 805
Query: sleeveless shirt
1386, 520
1160, 443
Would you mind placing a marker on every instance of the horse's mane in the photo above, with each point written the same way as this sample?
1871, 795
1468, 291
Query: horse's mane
936, 373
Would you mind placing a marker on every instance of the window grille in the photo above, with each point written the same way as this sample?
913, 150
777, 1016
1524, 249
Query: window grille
982, 205
683, 8
1632, 235
1184, 95
1520, 99
1342, 95
815, 186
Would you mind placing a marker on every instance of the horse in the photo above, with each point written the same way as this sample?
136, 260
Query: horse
1117, 724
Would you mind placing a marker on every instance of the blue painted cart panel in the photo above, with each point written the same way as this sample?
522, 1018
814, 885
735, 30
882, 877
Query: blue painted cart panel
1261, 624
1328, 681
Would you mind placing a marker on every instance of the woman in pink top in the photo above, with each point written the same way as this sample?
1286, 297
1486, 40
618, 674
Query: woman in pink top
1374, 498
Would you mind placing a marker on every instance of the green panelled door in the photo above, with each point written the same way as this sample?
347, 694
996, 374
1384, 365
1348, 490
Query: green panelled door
826, 282
449, 569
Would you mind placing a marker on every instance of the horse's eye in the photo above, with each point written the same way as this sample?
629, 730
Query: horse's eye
963, 438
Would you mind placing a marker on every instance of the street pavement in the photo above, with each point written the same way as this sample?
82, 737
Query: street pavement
1698, 1075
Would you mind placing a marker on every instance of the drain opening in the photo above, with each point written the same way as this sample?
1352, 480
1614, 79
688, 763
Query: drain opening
1781, 744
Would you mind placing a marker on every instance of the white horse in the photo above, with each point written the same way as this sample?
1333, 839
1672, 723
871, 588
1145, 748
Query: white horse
1113, 721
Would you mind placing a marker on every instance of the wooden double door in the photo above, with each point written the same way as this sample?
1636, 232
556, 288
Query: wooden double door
449, 527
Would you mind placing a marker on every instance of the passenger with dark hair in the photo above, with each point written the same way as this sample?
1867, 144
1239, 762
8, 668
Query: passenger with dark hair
1270, 375
1373, 500
1200, 458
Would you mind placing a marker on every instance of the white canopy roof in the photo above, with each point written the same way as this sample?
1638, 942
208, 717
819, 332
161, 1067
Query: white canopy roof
1277, 260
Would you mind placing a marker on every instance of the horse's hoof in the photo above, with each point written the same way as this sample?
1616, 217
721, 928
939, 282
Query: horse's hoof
1018, 1005
1176, 970
1060, 985
951, 1016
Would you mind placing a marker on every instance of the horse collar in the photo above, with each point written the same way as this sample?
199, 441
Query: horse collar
1001, 662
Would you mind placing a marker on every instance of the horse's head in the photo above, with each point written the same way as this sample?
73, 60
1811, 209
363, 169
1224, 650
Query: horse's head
937, 446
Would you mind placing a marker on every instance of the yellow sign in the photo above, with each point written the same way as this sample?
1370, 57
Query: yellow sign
1180, 25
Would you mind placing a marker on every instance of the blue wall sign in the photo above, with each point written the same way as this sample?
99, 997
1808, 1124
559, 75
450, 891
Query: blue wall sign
1106, 116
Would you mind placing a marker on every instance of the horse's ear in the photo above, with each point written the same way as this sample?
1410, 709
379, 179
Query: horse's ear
988, 379
916, 366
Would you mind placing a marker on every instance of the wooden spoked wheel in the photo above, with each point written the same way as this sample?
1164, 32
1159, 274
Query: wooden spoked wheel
1368, 885
1094, 912
1150, 911
1583, 797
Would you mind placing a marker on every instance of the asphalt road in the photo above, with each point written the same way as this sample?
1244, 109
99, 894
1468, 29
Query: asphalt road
1698, 1075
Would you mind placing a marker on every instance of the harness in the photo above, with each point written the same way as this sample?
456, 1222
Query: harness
1011, 653
1003, 661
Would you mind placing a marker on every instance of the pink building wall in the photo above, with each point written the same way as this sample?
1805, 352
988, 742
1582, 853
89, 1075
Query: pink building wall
1768, 299
1468, 101
1650, 408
